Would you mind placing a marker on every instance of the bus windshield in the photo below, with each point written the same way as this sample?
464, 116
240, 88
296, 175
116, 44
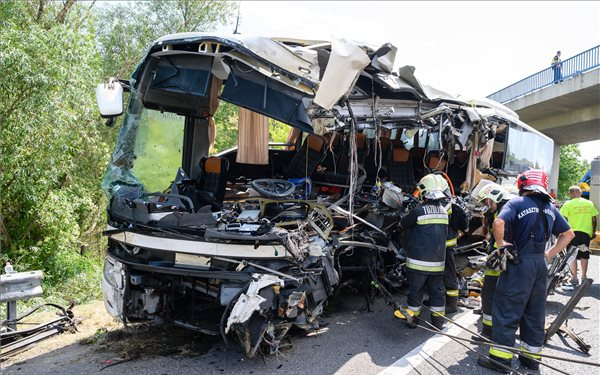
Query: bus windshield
148, 151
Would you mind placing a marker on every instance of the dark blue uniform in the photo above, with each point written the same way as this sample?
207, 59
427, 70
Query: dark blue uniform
490, 278
457, 221
520, 296
427, 228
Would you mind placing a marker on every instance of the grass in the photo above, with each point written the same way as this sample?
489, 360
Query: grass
82, 288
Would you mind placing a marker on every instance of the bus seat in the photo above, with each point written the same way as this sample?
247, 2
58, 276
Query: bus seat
417, 154
307, 157
333, 150
371, 163
362, 150
434, 162
457, 171
213, 178
341, 175
401, 169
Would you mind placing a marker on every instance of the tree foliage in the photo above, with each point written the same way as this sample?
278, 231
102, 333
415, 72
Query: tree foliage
125, 31
571, 168
53, 154
54, 148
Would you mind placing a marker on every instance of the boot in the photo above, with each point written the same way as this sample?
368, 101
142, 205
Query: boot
412, 320
437, 321
451, 304
414, 323
495, 364
528, 363
486, 331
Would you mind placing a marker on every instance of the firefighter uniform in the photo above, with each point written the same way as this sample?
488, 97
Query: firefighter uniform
490, 279
427, 230
494, 197
519, 301
457, 220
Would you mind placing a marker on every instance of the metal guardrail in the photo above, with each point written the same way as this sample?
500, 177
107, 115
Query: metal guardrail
18, 286
571, 67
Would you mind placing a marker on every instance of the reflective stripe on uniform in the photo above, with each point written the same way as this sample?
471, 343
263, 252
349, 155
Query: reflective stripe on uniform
422, 265
486, 319
416, 310
490, 272
439, 311
532, 351
451, 242
432, 219
452, 292
500, 353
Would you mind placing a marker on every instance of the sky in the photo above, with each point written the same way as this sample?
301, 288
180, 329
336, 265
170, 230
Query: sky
469, 49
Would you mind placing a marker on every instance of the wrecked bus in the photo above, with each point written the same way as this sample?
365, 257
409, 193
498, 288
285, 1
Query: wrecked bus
254, 240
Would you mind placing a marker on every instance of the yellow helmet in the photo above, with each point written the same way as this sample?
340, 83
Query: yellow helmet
429, 187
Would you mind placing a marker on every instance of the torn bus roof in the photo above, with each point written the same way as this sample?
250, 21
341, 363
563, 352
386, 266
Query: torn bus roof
280, 78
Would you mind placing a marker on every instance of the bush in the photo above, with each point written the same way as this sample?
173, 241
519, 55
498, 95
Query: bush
54, 148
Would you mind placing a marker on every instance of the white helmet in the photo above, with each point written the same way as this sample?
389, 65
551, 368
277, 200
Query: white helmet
429, 187
492, 191
443, 185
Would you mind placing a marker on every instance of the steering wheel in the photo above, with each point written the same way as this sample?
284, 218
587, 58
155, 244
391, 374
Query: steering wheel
273, 188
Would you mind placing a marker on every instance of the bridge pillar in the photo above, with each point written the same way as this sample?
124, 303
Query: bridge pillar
553, 178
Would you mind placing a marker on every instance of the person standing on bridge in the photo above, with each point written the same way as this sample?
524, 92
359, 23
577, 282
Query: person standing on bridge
557, 67
520, 298
581, 215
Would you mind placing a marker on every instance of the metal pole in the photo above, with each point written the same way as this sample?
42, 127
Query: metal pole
11, 314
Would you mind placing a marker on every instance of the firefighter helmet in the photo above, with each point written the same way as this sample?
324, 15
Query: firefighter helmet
429, 187
535, 180
492, 191
443, 184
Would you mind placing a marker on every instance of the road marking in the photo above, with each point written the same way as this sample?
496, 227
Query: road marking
427, 349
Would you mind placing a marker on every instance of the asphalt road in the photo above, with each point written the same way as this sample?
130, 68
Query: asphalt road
354, 341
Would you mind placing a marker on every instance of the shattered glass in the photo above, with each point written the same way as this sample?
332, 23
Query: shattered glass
147, 154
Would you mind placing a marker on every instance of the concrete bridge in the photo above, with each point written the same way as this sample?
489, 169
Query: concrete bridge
567, 110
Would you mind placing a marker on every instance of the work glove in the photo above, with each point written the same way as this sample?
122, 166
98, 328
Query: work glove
494, 260
498, 258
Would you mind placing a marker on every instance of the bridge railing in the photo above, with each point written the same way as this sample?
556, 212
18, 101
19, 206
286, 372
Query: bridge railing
571, 67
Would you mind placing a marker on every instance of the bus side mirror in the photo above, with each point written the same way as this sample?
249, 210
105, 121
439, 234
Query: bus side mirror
109, 97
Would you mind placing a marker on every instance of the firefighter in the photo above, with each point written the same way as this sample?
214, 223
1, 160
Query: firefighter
494, 197
458, 220
520, 298
427, 227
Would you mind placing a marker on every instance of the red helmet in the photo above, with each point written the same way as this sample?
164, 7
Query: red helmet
535, 180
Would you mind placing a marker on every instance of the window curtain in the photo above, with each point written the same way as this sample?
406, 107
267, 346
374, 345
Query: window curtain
253, 137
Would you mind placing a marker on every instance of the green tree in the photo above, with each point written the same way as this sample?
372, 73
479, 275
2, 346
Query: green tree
571, 168
53, 155
125, 30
